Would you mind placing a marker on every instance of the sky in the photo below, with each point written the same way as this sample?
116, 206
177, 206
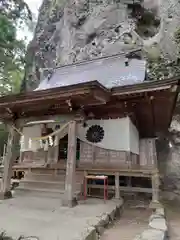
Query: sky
34, 6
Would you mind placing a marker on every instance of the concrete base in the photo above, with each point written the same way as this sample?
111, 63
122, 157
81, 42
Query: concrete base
69, 203
46, 219
155, 205
5, 195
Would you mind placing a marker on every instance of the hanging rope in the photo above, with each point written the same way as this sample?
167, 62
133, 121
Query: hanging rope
43, 141
44, 137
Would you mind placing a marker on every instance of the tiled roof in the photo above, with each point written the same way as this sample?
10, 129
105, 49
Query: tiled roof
109, 71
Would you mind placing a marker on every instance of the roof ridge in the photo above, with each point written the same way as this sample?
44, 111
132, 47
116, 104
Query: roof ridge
96, 59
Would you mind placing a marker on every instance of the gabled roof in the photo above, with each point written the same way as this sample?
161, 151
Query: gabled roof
109, 71
149, 104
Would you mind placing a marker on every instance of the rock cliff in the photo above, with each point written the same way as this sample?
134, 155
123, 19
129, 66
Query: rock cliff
75, 30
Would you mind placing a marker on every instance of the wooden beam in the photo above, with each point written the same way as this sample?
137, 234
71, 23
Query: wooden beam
122, 188
70, 181
117, 190
101, 96
151, 104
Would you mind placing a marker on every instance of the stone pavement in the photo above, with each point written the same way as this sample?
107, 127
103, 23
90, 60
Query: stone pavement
47, 219
173, 219
133, 221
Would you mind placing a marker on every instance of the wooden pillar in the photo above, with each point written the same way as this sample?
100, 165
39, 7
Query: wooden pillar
8, 163
46, 150
155, 187
56, 149
21, 157
117, 187
155, 191
70, 182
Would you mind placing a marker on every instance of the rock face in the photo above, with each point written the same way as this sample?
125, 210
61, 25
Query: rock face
77, 30
169, 164
69, 31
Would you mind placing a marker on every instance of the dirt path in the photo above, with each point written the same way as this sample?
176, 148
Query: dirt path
132, 222
173, 218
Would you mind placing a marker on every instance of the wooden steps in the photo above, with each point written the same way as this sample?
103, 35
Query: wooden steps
39, 192
45, 177
46, 184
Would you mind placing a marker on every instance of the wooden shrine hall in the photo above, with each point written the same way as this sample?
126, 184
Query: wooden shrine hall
71, 131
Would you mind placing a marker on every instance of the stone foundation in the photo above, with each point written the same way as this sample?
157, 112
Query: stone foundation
157, 229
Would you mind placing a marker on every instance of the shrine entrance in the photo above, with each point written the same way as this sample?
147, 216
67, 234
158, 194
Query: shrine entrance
63, 149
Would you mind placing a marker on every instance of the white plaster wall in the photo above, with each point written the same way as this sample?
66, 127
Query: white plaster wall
120, 134
116, 136
30, 132
133, 138
34, 131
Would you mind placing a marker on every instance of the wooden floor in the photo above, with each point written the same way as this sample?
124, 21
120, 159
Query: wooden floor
136, 172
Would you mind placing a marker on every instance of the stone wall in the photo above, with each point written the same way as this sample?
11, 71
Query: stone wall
168, 149
157, 229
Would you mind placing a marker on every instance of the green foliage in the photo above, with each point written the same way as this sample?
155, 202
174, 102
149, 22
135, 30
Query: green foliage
12, 51
177, 36
162, 68
3, 139
15, 10
13, 15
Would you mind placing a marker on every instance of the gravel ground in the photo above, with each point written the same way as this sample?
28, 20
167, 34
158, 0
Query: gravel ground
46, 219
132, 222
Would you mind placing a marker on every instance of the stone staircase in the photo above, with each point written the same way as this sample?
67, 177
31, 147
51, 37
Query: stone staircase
47, 184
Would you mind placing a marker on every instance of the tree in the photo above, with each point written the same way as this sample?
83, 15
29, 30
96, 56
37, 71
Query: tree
13, 13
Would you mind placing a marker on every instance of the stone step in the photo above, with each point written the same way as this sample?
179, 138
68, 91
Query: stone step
47, 185
39, 192
44, 177
42, 184
50, 177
